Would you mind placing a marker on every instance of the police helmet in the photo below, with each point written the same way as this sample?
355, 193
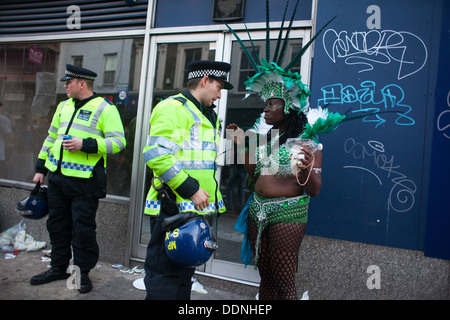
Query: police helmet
190, 244
36, 205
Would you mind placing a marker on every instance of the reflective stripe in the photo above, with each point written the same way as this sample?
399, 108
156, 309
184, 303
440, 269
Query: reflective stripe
171, 173
53, 129
198, 165
189, 206
114, 140
70, 165
184, 206
63, 104
114, 134
50, 139
197, 121
163, 142
98, 113
109, 146
186, 145
89, 129
199, 145
155, 152
185, 165
152, 204
92, 130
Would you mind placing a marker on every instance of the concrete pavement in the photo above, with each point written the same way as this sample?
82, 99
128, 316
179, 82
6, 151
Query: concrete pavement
108, 283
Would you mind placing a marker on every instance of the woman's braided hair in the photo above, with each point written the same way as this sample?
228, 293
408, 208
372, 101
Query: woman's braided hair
294, 126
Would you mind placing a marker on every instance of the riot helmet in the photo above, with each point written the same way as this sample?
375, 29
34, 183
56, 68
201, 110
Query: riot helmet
191, 243
34, 206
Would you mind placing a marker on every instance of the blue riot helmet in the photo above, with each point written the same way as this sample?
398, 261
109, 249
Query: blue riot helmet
36, 205
191, 244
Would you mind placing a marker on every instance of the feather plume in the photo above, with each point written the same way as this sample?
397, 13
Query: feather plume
300, 53
253, 46
320, 121
286, 37
260, 126
280, 34
267, 32
247, 53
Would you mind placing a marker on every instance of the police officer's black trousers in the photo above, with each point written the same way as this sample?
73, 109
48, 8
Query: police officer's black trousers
164, 279
73, 203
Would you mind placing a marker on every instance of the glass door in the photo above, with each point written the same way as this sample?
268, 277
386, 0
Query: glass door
168, 57
166, 76
235, 184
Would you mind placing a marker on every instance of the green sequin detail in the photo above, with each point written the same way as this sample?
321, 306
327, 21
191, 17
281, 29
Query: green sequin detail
268, 211
273, 162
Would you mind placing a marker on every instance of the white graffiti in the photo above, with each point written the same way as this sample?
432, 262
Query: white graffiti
369, 48
442, 124
402, 194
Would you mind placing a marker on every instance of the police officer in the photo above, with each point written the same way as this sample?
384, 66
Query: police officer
84, 130
182, 150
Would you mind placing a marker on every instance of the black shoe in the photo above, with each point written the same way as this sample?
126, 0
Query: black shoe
85, 283
50, 275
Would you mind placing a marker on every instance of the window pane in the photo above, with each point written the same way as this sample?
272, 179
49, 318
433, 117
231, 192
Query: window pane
77, 61
110, 62
30, 90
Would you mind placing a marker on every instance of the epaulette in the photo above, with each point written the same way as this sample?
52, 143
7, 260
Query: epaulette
109, 101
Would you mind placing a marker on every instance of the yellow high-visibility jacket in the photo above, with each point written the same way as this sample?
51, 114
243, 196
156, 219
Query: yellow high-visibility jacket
182, 145
97, 119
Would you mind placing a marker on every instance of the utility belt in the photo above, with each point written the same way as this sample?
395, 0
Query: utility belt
172, 217
167, 198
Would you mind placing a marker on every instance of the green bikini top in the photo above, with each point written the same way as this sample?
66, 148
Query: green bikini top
274, 162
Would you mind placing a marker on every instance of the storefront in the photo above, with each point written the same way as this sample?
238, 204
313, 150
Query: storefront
171, 47
140, 49
138, 65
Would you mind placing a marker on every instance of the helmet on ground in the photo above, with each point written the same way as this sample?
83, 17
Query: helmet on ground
190, 244
36, 205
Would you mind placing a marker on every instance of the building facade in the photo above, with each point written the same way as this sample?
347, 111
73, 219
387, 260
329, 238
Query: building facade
378, 229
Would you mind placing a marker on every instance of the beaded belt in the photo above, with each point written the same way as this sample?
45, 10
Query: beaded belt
268, 211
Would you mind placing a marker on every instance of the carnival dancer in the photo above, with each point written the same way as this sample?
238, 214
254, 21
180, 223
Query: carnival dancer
286, 168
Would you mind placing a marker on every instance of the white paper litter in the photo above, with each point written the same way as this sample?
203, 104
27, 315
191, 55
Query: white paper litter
198, 287
9, 256
26, 242
305, 296
134, 270
139, 284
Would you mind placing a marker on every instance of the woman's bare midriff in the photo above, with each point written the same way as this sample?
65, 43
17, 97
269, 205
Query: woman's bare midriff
272, 187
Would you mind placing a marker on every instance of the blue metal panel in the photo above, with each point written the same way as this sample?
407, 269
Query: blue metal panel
375, 57
437, 239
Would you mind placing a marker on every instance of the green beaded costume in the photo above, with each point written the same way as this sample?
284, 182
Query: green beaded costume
268, 211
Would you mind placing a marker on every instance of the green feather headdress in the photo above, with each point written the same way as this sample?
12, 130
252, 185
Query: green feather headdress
271, 80
320, 121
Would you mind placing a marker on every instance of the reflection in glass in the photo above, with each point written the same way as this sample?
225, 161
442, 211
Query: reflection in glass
30, 90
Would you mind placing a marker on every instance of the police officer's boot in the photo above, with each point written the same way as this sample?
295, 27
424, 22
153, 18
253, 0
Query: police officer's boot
50, 275
85, 283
